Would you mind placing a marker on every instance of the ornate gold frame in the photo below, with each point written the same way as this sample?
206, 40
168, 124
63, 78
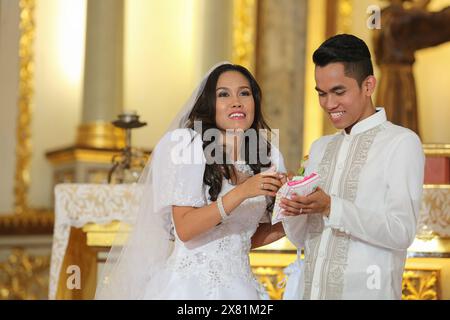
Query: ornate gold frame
24, 219
26, 275
26, 91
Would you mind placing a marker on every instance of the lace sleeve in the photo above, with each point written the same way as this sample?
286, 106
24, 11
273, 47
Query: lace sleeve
179, 165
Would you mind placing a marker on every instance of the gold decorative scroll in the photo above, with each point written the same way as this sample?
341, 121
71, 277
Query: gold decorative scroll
269, 270
23, 146
271, 278
344, 16
244, 33
421, 285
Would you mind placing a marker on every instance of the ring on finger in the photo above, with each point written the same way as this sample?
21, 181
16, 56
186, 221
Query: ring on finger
301, 210
262, 186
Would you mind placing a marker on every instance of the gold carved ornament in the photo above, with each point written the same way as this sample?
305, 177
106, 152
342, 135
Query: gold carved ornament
24, 277
23, 147
420, 285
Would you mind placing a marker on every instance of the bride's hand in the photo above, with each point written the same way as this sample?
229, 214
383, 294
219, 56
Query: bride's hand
262, 184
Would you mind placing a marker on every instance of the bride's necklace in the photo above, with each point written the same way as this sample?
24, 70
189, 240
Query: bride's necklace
243, 167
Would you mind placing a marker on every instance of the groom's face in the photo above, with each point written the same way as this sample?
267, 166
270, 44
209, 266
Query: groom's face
340, 96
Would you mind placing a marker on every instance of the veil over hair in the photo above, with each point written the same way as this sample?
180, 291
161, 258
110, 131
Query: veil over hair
142, 245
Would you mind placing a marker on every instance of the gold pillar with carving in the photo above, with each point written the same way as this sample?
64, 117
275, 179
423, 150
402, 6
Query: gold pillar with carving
25, 233
23, 148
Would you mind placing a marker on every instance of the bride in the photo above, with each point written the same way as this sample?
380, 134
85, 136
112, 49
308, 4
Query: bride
206, 198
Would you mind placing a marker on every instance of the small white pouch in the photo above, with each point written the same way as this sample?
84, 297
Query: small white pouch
302, 186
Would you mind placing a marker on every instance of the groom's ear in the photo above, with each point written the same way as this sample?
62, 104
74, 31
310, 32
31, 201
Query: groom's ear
369, 85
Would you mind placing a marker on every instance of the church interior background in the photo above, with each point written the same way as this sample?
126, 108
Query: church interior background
68, 68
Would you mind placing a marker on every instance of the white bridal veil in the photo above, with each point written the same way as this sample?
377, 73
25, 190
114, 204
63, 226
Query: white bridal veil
136, 257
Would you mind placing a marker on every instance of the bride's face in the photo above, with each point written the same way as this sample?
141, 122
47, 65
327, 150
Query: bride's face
235, 106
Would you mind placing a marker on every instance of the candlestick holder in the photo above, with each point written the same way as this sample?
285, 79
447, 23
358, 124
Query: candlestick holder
128, 165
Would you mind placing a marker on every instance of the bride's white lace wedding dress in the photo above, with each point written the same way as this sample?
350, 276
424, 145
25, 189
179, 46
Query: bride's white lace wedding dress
214, 265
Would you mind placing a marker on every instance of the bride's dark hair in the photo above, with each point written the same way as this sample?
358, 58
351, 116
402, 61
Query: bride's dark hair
204, 110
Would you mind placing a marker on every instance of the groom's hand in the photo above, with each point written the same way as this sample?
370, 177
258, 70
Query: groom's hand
316, 202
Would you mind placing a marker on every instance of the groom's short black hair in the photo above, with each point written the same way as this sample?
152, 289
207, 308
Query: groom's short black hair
349, 50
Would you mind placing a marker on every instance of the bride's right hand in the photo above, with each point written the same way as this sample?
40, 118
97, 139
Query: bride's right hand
262, 184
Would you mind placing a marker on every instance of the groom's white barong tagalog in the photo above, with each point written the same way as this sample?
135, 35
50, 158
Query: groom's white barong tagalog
356, 229
359, 251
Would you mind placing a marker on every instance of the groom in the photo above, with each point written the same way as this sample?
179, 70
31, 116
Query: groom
356, 227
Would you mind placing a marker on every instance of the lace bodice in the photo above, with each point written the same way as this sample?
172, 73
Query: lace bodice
221, 256
215, 264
